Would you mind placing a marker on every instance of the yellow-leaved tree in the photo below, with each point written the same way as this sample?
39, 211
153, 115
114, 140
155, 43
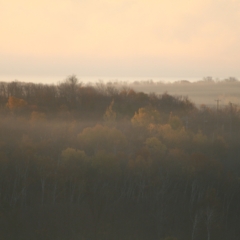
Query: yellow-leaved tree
178, 138
110, 115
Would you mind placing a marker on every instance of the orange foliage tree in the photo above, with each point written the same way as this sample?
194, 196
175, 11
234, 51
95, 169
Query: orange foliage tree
16, 103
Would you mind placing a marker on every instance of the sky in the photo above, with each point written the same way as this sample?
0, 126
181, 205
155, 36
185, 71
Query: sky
121, 38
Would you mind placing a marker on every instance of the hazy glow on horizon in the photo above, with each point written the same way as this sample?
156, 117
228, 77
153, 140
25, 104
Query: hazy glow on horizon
120, 37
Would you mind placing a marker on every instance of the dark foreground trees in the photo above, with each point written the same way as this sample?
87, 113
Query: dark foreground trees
139, 167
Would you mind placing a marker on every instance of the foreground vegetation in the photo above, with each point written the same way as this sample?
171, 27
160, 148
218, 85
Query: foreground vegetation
83, 162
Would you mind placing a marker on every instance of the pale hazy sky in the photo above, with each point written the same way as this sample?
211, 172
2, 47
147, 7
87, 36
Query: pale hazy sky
161, 38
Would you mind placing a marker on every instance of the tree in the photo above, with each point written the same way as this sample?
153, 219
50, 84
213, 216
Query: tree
173, 138
16, 103
201, 142
45, 169
37, 117
156, 147
94, 139
74, 165
105, 164
71, 157
110, 115
175, 122
68, 91
145, 116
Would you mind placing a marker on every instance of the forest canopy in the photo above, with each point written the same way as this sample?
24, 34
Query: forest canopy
105, 162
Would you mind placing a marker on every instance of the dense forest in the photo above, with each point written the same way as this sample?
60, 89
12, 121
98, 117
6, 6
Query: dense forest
81, 162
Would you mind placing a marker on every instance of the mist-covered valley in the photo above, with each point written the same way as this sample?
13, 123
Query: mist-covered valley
112, 161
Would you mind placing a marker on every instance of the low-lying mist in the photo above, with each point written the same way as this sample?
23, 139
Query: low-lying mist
200, 92
108, 161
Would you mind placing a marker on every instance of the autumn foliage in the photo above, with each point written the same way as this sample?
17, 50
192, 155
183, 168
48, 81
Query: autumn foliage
16, 103
95, 162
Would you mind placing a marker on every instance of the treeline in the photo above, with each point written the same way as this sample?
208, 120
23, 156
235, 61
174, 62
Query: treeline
82, 101
204, 91
99, 162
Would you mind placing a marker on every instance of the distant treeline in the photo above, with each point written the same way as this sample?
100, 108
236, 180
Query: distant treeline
204, 91
105, 162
